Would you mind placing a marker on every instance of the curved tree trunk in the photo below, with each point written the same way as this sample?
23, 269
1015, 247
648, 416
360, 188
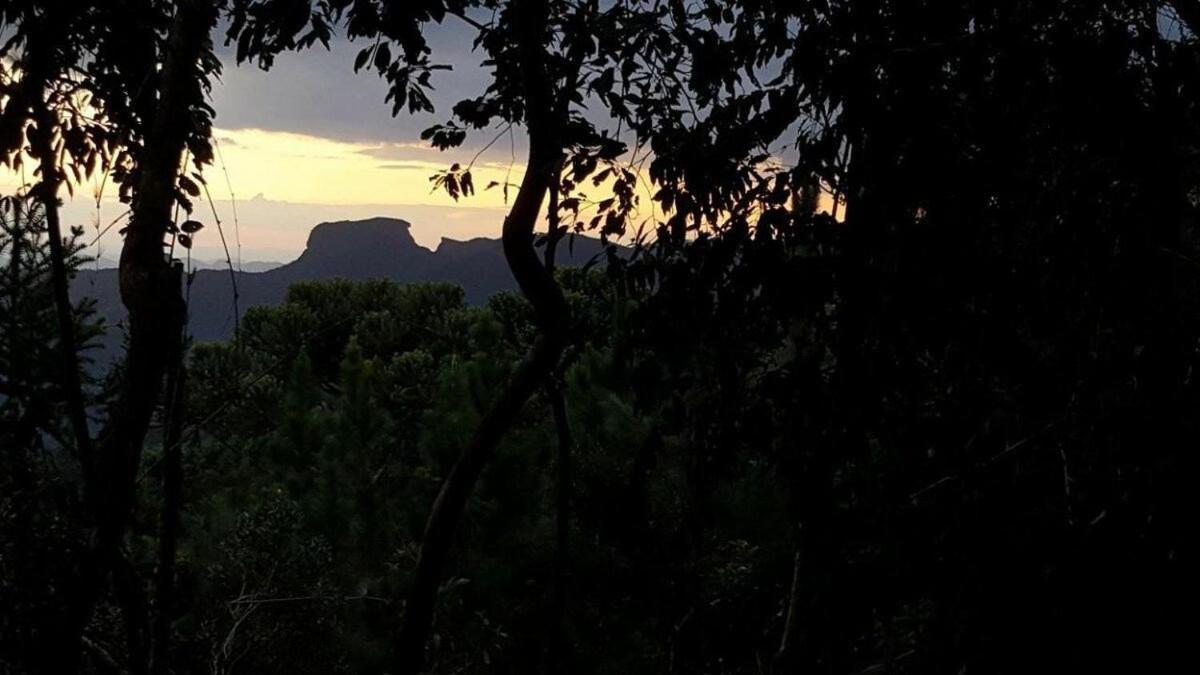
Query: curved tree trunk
550, 308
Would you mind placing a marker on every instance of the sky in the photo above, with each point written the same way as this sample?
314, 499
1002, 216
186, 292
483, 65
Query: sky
312, 141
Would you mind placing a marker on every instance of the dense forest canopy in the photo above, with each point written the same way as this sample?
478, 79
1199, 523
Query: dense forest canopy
915, 395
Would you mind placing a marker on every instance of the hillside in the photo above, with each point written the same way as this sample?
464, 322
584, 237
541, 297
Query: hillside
362, 249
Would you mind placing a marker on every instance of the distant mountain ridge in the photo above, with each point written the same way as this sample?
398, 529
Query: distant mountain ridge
104, 263
377, 248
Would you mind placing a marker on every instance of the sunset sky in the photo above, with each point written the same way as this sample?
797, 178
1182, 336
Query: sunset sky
312, 141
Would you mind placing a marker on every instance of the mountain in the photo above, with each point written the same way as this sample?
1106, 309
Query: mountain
362, 249
199, 264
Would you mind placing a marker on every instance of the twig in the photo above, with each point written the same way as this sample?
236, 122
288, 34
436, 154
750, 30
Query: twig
237, 233
228, 259
305, 598
471, 22
991, 461
102, 656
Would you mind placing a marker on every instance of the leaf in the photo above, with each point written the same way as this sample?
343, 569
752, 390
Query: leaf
189, 186
191, 226
185, 241
383, 56
604, 83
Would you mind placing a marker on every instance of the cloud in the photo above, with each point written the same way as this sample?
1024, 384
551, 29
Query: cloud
311, 169
406, 166
317, 93
398, 150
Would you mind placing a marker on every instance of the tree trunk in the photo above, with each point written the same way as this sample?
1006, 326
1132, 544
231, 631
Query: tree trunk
42, 143
65, 657
550, 308
131, 596
811, 641
813, 637
156, 310
448, 507
172, 488
559, 638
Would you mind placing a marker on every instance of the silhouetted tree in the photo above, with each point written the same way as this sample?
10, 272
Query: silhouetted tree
897, 374
140, 121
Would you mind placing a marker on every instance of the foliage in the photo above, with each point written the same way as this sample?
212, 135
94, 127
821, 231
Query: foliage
898, 376
39, 511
